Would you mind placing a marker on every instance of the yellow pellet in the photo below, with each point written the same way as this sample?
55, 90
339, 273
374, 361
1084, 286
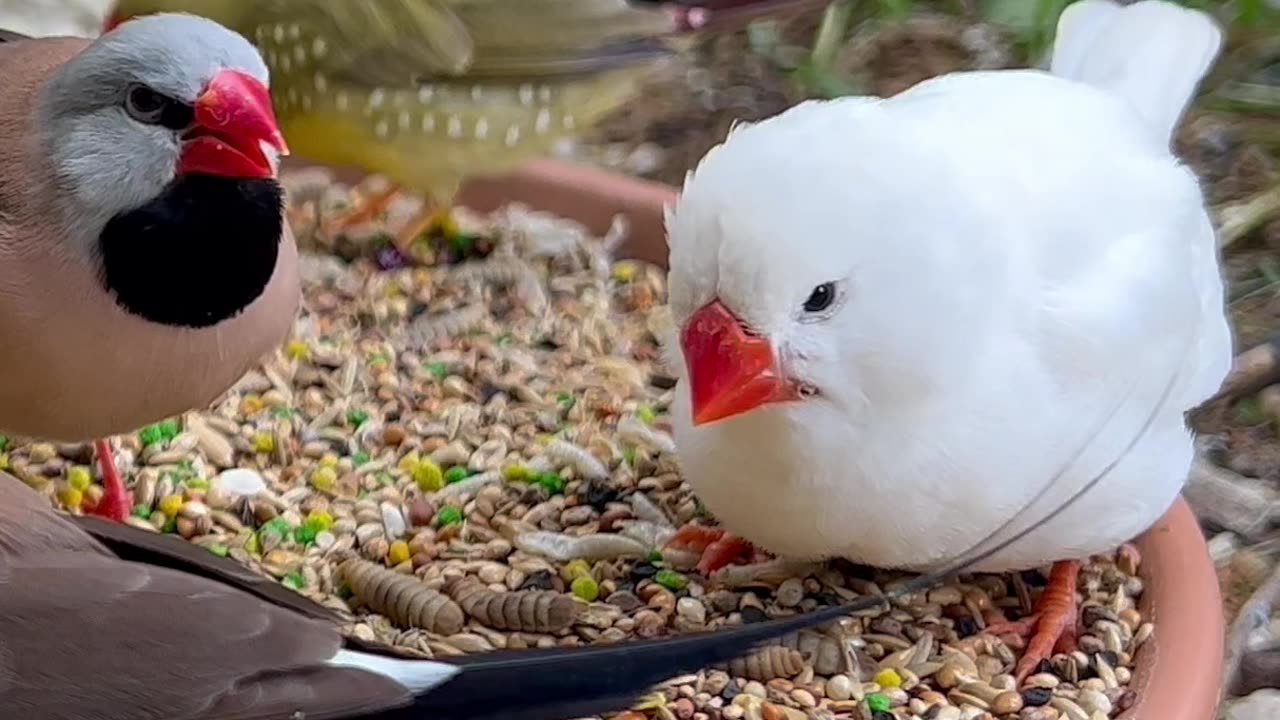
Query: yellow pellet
78, 477
576, 569
170, 505
70, 497
251, 405
398, 553
888, 678
428, 476
297, 350
324, 478
264, 442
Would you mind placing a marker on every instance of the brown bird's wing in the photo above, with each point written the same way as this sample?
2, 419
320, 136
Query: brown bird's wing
167, 551
11, 36
160, 644
148, 548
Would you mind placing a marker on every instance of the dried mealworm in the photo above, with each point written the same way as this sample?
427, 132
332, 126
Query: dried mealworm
540, 611
583, 461
561, 547
767, 663
426, 328
633, 430
402, 598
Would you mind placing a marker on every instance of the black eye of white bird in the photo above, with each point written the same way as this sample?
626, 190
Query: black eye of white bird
821, 298
152, 108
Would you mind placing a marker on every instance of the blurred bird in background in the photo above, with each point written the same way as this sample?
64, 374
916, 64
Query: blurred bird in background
430, 92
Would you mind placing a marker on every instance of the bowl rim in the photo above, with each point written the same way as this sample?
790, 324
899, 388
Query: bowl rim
1178, 672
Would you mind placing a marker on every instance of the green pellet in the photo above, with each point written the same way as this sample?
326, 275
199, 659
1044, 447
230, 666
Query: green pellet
551, 481
671, 580
585, 587
516, 473
304, 535
448, 515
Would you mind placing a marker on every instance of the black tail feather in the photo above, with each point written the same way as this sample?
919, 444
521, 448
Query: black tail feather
559, 683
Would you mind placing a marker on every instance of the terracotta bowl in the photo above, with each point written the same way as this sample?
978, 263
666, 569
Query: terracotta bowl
1178, 675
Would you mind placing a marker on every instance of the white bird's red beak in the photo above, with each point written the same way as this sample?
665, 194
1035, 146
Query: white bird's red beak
235, 132
731, 370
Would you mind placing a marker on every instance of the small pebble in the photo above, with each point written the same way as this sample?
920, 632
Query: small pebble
692, 610
1093, 701
1006, 703
804, 698
790, 592
839, 687
1036, 696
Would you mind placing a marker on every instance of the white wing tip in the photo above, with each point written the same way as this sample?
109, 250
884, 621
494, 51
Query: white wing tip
416, 675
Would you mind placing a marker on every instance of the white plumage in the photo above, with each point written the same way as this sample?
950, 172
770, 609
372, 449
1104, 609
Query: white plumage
1022, 270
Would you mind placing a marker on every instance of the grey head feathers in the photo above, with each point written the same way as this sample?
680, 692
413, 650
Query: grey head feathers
104, 162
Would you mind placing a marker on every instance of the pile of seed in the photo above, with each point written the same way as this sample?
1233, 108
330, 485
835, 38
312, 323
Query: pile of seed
490, 439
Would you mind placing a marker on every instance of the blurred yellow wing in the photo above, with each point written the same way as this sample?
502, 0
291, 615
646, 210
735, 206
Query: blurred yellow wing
403, 43
533, 38
365, 42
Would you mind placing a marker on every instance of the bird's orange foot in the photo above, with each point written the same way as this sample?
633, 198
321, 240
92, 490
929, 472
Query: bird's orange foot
364, 211
115, 502
718, 547
1052, 626
430, 220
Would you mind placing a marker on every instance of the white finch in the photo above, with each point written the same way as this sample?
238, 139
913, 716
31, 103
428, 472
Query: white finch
899, 318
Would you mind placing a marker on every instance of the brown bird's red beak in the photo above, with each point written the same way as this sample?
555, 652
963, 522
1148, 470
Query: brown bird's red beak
111, 21
233, 121
731, 370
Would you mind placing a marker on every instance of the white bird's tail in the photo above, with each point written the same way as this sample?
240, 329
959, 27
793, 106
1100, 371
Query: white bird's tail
1153, 53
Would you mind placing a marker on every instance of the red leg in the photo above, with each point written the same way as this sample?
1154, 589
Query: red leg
1052, 626
718, 547
115, 500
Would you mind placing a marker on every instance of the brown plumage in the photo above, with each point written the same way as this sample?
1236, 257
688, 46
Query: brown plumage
64, 324
88, 636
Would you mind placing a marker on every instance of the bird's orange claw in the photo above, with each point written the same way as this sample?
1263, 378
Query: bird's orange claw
1052, 627
365, 210
426, 219
115, 501
718, 547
